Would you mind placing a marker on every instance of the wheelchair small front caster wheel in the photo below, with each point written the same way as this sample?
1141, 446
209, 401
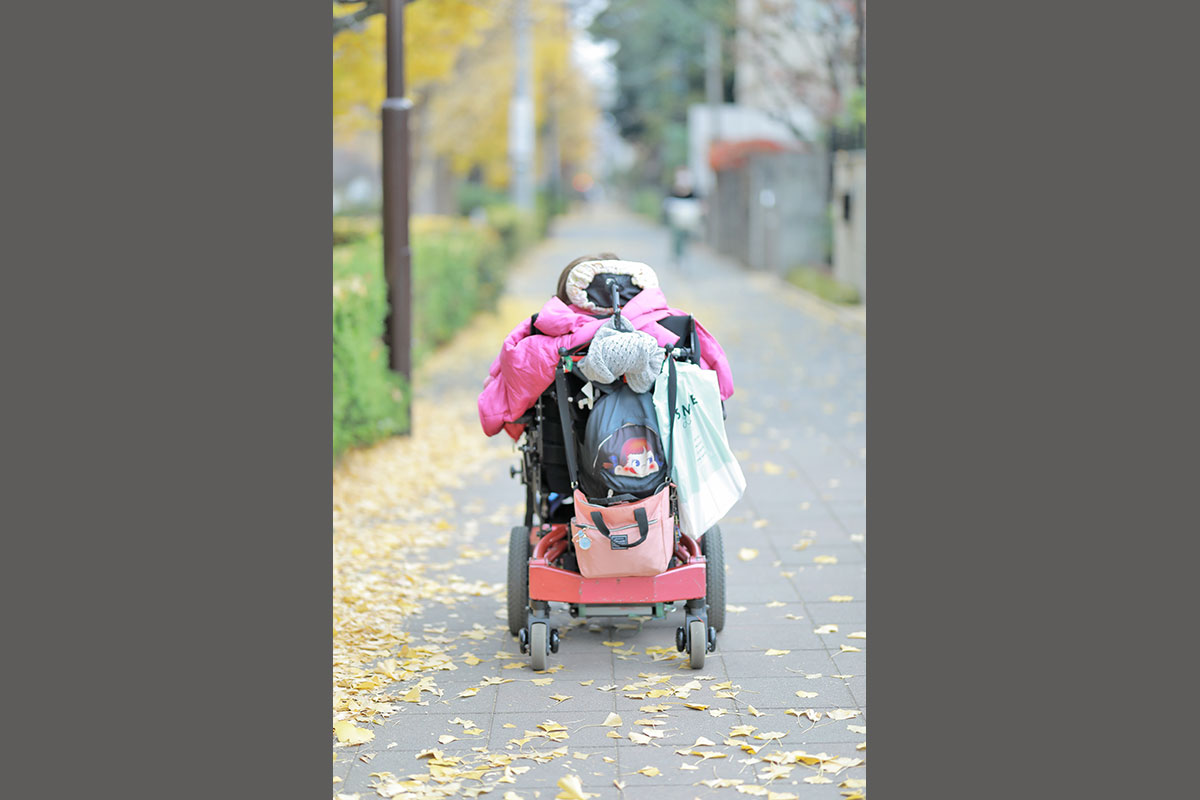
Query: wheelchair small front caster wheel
554, 640
697, 644
538, 645
712, 639
523, 640
680, 639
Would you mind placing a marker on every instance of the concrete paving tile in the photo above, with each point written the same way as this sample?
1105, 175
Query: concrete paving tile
594, 772
417, 731
743, 665
583, 727
858, 688
850, 663
785, 635
840, 613
780, 693
846, 552
526, 697
740, 593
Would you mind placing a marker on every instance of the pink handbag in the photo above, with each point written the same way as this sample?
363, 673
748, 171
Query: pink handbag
625, 540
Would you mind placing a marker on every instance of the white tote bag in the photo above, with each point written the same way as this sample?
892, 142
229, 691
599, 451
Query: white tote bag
708, 476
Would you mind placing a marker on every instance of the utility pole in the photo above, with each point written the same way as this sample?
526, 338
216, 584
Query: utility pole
714, 95
520, 113
397, 258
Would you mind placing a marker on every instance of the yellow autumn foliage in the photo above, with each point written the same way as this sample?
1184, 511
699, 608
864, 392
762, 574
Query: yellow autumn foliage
472, 132
435, 34
460, 63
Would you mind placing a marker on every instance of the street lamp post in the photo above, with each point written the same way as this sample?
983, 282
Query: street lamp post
397, 257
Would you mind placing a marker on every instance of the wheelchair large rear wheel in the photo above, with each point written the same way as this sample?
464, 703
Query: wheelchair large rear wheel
518, 578
712, 547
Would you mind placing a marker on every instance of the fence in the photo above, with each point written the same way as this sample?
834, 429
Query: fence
771, 210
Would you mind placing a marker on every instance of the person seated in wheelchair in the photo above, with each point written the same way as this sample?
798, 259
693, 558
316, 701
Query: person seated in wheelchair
582, 313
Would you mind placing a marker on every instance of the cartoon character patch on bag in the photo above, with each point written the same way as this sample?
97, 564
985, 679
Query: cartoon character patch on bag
637, 458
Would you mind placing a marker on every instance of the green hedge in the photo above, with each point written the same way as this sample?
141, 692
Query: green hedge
458, 269
369, 400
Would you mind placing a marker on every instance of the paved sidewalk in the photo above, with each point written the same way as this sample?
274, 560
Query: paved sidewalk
798, 587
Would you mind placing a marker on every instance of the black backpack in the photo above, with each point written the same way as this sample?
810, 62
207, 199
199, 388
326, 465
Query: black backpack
623, 450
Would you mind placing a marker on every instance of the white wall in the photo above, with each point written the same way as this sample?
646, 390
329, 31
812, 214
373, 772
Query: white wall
850, 236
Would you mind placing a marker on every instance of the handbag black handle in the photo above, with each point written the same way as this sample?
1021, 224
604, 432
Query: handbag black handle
619, 541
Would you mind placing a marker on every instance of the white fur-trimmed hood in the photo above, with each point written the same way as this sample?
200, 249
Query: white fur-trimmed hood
581, 276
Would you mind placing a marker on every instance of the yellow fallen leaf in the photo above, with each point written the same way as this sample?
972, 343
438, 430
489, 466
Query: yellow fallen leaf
542, 681
722, 783
413, 695
513, 796
695, 706
588, 682
830, 628
825, 560
844, 713
471, 660
648, 771
814, 716
761, 523
560, 697
848, 648
772, 468
783, 796
550, 726
447, 738
468, 692
857, 729
742, 730
580, 756
817, 779
508, 725
840, 598
348, 733
861, 746
754, 712
613, 644
857, 635
572, 789
612, 720
770, 735
747, 554
776, 652
776, 604
614, 735
638, 738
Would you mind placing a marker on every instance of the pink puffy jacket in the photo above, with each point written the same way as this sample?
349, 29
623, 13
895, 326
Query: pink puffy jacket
525, 366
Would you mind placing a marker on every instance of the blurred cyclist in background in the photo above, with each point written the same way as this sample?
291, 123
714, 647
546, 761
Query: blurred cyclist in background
683, 212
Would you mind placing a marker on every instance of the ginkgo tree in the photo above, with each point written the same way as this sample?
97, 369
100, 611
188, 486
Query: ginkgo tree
459, 65
436, 32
